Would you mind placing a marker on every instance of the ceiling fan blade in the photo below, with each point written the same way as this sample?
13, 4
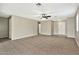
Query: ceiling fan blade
48, 16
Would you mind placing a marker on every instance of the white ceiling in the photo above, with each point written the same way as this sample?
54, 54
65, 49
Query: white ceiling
56, 10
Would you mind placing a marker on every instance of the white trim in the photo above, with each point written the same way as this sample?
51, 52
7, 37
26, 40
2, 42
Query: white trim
71, 36
77, 41
58, 34
45, 34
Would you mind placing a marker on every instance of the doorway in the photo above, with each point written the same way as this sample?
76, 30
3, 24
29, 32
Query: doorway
4, 29
39, 28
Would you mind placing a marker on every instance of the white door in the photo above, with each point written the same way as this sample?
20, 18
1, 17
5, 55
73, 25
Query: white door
3, 27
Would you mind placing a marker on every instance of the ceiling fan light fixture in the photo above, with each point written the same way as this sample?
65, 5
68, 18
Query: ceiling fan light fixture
43, 18
38, 4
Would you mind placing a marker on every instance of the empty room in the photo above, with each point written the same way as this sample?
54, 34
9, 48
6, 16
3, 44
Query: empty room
39, 28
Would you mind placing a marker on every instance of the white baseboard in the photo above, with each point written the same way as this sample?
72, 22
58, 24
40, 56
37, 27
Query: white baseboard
45, 34
71, 36
77, 41
59, 34
24, 36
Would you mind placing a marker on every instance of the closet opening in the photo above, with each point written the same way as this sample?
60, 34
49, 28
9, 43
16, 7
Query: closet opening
4, 29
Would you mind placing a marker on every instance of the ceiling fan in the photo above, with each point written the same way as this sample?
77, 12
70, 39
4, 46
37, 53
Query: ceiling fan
41, 12
42, 15
45, 16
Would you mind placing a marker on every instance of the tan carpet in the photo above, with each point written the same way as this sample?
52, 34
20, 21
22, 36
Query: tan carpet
40, 45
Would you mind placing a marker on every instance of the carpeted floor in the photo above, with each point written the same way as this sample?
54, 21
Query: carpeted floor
40, 45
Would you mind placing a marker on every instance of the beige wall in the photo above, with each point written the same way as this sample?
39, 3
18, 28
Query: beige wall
3, 27
55, 28
46, 28
71, 27
59, 28
67, 27
77, 38
77, 32
22, 27
62, 28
